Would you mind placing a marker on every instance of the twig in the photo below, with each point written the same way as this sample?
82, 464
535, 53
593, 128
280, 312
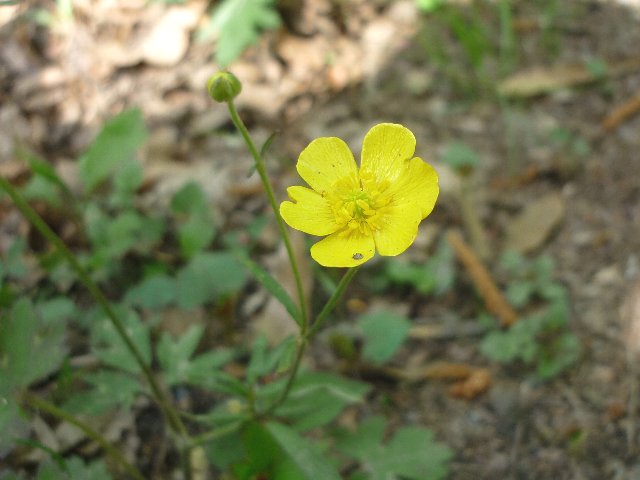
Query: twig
494, 300
621, 113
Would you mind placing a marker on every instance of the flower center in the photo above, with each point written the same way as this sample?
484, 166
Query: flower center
360, 204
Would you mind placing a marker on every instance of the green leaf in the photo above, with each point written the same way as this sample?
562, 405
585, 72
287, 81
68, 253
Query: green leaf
238, 24
116, 143
113, 237
126, 180
562, 352
519, 293
37, 188
267, 144
412, 453
518, 342
195, 223
32, 347
14, 423
318, 398
429, 6
195, 234
207, 277
174, 355
304, 455
73, 468
178, 366
189, 199
109, 390
13, 264
225, 450
264, 360
273, 287
460, 157
154, 292
109, 347
384, 333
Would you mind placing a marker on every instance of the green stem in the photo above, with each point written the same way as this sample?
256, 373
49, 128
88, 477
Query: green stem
36, 220
331, 303
41, 404
262, 171
304, 339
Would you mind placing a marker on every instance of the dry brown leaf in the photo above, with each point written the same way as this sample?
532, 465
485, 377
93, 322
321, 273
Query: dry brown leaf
541, 80
532, 227
475, 384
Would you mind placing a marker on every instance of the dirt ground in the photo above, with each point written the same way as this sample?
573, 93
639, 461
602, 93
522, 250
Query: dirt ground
59, 83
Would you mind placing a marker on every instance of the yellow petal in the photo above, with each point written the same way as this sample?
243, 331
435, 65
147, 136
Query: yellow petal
324, 161
309, 212
399, 227
386, 149
416, 184
342, 249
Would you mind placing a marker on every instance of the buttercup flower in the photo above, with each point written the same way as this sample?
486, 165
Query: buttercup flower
375, 208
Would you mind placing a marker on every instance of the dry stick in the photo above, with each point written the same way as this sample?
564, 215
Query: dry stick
622, 113
494, 300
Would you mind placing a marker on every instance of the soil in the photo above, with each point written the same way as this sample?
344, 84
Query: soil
58, 83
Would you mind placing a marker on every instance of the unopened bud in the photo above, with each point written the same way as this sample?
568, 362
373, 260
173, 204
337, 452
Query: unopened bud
223, 86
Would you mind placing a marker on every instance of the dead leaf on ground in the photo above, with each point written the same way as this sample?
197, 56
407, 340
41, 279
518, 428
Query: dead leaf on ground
533, 226
541, 80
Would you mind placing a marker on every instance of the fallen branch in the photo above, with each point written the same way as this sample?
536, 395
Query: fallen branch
494, 300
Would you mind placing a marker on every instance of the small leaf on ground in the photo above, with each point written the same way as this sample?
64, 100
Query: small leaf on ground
207, 277
412, 453
116, 143
383, 333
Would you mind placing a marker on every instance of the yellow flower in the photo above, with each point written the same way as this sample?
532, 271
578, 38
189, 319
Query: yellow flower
375, 208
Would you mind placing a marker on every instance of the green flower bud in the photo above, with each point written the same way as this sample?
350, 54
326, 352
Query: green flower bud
223, 86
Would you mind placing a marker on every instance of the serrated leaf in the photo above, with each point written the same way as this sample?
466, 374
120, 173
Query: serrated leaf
116, 143
207, 277
273, 287
265, 360
412, 453
318, 398
174, 354
384, 333
238, 24
302, 453
109, 347
108, 390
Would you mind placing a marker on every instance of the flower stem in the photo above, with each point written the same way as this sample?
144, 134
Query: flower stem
262, 171
304, 339
41, 404
331, 303
36, 220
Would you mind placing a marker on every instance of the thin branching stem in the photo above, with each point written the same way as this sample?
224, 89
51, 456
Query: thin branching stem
304, 339
36, 220
262, 171
41, 404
